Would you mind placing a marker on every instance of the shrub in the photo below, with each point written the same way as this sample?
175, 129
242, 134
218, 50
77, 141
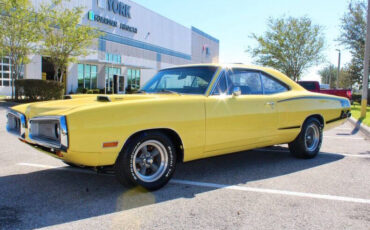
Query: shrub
357, 97
81, 90
33, 90
130, 90
90, 91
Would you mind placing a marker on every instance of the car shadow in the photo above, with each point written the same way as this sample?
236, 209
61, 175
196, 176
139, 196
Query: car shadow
53, 196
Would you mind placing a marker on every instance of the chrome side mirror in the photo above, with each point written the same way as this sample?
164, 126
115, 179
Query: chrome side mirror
237, 91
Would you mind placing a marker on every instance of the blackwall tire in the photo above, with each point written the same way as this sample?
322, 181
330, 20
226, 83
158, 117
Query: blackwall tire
148, 160
308, 143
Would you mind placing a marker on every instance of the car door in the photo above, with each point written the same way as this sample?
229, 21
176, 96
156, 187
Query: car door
238, 121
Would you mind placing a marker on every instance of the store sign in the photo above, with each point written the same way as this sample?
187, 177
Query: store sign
97, 18
119, 8
116, 7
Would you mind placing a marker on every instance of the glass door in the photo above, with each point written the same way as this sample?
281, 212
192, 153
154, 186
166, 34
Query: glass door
109, 72
121, 84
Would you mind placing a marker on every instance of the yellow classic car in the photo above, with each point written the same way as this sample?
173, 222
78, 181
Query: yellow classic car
182, 114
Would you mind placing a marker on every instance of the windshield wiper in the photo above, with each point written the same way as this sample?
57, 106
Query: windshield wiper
168, 91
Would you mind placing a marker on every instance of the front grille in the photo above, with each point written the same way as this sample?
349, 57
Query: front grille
49, 131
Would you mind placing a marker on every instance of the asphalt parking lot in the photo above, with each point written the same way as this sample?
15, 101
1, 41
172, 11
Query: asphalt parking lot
259, 189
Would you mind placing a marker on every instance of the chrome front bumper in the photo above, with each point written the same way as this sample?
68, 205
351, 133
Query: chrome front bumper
16, 124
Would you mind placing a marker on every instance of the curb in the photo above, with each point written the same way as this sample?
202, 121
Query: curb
359, 126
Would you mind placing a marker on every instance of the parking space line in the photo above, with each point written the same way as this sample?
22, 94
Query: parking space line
344, 129
230, 187
272, 191
37, 165
345, 137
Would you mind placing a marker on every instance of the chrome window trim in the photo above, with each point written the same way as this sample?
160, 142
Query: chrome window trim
211, 93
251, 70
260, 72
23, 124
63, 142
288, 87
263, 86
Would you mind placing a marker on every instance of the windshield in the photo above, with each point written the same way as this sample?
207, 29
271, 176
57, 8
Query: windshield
187, 80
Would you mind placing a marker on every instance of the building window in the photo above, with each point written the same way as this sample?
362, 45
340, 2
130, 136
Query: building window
87, 76
113, 58
207, 51
133, 78
109, 73
5, 72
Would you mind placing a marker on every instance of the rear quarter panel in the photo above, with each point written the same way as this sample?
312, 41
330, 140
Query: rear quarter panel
296, 106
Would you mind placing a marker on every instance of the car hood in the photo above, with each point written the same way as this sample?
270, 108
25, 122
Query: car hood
80, 102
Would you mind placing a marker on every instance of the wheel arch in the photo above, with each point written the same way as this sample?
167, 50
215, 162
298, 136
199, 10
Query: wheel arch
172, 134
318, 117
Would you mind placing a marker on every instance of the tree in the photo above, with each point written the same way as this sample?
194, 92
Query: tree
329, 75
345, 80
353, 35
63, 38
18, 34
291, 45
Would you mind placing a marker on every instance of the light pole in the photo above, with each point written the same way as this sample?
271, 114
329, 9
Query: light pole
365, 80
338, 71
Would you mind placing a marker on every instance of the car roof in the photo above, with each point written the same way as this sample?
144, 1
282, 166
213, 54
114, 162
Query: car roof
218, 65
277, 74
233, 65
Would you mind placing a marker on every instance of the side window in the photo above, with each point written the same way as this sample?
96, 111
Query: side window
272, 86
221, 86
249, 82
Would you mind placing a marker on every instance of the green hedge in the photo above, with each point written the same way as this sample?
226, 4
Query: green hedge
35, 90
356, 97
90, 91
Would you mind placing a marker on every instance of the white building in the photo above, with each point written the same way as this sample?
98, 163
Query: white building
137, 43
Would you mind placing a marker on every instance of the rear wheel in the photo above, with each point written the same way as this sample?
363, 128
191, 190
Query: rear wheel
308, 143
148, 160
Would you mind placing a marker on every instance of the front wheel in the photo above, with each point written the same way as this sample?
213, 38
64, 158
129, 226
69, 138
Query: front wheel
308, 143
148, 160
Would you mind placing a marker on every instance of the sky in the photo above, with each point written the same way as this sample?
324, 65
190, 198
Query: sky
233, 21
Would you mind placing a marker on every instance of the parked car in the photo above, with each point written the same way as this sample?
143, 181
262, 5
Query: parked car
181, 114
314, 86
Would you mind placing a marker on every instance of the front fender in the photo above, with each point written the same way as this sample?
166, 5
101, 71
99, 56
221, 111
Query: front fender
90, 128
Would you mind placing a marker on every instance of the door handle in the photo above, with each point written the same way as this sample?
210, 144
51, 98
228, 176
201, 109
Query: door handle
271, 103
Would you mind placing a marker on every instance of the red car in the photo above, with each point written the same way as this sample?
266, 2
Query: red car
314, 86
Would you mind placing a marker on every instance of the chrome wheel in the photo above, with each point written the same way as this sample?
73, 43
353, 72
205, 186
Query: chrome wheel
150, 161
312, 137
